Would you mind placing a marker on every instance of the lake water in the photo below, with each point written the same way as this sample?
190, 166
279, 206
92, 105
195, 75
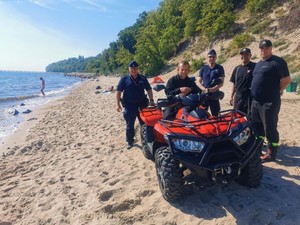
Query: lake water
20, 92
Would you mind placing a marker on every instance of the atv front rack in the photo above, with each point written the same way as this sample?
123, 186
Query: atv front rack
226, 116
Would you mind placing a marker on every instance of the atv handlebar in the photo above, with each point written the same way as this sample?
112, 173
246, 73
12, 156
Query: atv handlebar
192, 100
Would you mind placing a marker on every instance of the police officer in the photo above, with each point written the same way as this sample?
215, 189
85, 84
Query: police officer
132, 86
241, 79
207, 75
270, 77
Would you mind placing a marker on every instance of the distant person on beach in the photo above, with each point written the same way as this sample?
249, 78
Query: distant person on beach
133, 87
42, 85
270, 77
241, 78
111, 89
207, 75
181, 84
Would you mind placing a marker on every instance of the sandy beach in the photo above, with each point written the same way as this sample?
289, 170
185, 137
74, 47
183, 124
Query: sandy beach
68, 165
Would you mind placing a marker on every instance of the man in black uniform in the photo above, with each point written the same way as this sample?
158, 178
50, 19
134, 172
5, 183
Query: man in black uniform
181, 84
270, 78
133, 86
241, 79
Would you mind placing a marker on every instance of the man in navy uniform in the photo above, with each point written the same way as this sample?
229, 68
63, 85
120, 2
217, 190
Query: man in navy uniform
132, 86
270, 77
207, 75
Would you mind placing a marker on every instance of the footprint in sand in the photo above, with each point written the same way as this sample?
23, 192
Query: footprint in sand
145, 193
126, 205
112, 183
105, 196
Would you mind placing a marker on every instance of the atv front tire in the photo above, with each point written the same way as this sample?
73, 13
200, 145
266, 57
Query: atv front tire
145, 148
252, 174
169, 174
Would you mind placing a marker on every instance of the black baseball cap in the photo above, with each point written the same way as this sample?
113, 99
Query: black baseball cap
265, 43
212, 52
133, 64
245, 50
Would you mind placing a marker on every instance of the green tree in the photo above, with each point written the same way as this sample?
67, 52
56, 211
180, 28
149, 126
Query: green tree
123, 57
217, 17
147, 53
259, 6
191, 14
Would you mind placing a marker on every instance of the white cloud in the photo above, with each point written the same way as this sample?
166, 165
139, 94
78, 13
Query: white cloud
87, 5
96, 5
42, 3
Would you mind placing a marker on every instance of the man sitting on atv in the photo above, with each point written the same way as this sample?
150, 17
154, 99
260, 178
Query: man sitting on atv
181, 84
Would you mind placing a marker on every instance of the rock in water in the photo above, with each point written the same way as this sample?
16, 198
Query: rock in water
27, 111
14, 112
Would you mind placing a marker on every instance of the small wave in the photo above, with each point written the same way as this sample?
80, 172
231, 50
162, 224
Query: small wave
61, 90
18, 98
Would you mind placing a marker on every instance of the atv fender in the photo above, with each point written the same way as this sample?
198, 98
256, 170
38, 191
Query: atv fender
150, 116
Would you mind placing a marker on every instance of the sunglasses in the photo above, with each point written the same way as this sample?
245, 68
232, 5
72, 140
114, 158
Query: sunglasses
211, 56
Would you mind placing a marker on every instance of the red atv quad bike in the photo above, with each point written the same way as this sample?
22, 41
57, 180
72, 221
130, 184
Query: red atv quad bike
181, 137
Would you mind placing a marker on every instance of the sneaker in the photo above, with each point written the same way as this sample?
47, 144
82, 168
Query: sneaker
129, 145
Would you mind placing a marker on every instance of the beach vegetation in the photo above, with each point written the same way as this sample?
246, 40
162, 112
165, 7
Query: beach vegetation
197, 64
239, 41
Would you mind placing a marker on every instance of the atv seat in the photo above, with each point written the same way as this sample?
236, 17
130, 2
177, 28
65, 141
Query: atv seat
169, 107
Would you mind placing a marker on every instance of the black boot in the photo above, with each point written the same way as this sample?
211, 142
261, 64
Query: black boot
270, 156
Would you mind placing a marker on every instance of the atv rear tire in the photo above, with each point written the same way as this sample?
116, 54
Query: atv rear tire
145, 148
252, 174
169, 174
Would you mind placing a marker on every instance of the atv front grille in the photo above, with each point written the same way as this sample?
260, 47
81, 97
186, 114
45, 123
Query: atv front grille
225, 152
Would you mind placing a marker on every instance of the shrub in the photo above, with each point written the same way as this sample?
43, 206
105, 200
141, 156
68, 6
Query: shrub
261, 27
283, 47
197, 64
259, 6
238, 42
221, 59
279, 42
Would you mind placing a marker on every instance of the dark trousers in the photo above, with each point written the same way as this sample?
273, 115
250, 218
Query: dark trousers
243, 103
265, 119
131, 112
214, 106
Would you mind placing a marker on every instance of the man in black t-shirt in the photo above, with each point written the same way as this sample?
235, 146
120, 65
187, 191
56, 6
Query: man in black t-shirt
270, 77
241, 79
181, 84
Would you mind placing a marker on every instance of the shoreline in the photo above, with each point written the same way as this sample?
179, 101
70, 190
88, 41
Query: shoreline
29, 120
18, 138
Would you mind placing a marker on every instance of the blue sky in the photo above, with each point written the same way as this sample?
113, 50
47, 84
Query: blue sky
35, 33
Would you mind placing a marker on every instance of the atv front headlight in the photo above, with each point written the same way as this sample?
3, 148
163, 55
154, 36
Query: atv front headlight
188, 145
242, 137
